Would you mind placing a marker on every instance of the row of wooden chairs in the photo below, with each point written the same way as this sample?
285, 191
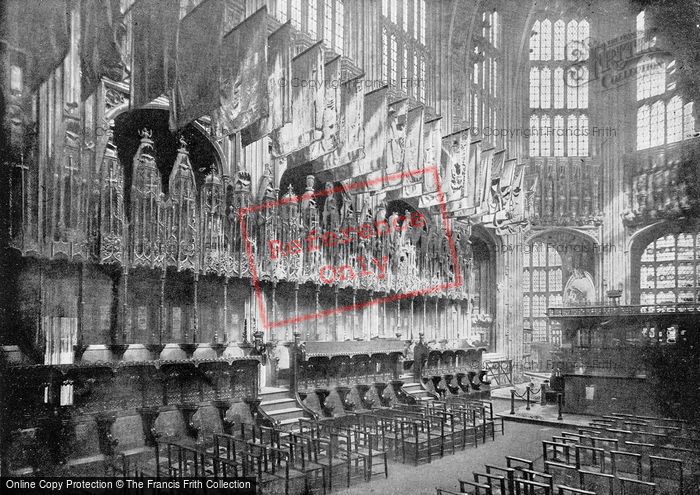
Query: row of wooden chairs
611, 464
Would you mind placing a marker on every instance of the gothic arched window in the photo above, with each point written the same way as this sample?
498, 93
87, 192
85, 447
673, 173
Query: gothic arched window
559, 80
542, 288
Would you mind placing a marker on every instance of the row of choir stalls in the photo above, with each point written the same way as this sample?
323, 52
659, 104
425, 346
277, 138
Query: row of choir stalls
84, 419
335, 379
636, 359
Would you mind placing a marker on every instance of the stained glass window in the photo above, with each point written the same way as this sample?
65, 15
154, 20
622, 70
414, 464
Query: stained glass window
328, 21
296, 14
534, 138
688, 121
669, 269
555, 84
535, 41
583, 135
542, 288
545, 88
643, 127
558, 135
339, 26
313, 18
534, 87
546, 135
656, 136
674, 120
559, 87
546, 40
571, 138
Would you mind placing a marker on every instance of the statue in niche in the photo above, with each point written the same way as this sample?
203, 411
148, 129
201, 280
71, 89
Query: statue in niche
331, 214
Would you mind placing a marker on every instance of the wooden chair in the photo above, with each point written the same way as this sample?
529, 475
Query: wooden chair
667, 473
563, 474
497, 482
636, 487
627, 464
303, 458
600, 483
507, 472
590, 458
569, 490
527, 487
473, 488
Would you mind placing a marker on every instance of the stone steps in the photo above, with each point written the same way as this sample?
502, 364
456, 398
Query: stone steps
280, 407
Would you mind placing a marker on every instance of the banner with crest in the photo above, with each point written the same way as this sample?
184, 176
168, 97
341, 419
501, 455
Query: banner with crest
414, 153
307, 103
330, 115
243, 81
375, 123
279, 70
396, 141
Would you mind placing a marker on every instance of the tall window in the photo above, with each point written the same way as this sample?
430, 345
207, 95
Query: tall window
403, 54
559, 87
296, 14
313, 18
670, 270
339, 26
542, 288
662, 116
486, 78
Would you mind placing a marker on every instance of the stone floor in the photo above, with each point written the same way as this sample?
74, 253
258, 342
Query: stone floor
520, 439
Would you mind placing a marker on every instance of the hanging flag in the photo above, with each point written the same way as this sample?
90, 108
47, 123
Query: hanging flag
507, 177
461, 152
101, 31
319, 149
494, 199
396, 141
279, 70
243, 81
484, 179
414, 153
376, 106
457, 147
198, 50
34, 35
432, 150
153, 62
351, 133
307, 103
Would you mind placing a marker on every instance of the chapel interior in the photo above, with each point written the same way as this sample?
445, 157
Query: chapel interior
411, 246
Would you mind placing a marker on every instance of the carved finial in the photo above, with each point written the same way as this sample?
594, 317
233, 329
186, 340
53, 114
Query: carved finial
145, 134
290, 190
310, 179
183, 144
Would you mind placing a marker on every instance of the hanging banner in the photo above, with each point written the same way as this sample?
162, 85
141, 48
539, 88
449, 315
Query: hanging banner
35, 34
396, 142
279, 70
414, 153
100, 33
198, 50
376, 107
484, 179
494, 199
328, 142
432, 143
307, 103
153, 66
457, 147
243, 82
